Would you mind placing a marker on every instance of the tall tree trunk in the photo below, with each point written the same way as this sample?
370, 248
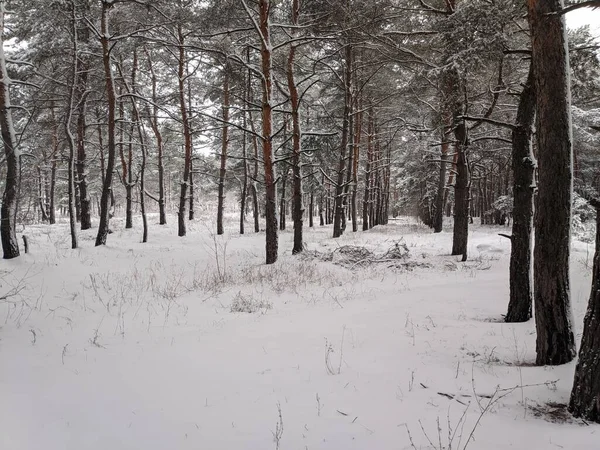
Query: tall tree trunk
154, 124
103, 226
339, 218
71, 140
283, 201
297, 205
585, 395
83, 34
442, 188
224, 145
8, 229
366, 225
461, 195
186, 133
272, 238
523, 166
555, 341
357, 138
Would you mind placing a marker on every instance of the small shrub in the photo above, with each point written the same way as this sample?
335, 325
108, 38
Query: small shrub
248, 304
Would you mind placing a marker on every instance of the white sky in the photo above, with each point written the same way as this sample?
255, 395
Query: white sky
585, 16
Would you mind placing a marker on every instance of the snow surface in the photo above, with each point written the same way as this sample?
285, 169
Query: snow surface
134, 346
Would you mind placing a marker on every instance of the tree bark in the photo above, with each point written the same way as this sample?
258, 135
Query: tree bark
83, 67
555, 341
585, 395
272, 238
339, 218
8, 229
297, 205
523, 166
461, 195
181, 230
154, 124
103, 226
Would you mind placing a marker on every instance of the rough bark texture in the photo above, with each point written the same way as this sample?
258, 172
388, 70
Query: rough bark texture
461, 194
272, 237
555, 341
181, 230
103, 226
83, 34
297, 205
339, 216
585, 396
8, 230
521, 294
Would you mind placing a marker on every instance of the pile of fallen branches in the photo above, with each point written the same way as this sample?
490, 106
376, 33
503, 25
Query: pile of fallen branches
353, 256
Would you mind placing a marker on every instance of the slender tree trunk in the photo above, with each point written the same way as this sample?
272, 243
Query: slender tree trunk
103, 226
442, 188
8, 229
523, 165
154, 124
367, 194
339, 218
282, 201
224, 145
186, 133
555, 341
297, 204
71, 140
585, 395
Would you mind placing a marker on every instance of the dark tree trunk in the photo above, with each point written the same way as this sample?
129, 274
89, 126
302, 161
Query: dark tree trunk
154, 124
367, 193
283, 202
339, 217
103, 226
272, 237
311, 210
521, 294
297, 204
187, 165
224, 145
461, 195
83, 34
440, 198
555, 341
8, 230
585, 396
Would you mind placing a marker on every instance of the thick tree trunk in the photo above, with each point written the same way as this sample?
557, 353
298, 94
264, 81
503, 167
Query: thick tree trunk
461, 196
555, 341
8, 230
224, 145
585, 396
272, 238
521, 294
103, 226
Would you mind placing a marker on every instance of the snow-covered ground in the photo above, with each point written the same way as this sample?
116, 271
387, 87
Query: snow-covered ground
135, 346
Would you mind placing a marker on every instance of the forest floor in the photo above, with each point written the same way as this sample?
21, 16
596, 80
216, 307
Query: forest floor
377, 340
